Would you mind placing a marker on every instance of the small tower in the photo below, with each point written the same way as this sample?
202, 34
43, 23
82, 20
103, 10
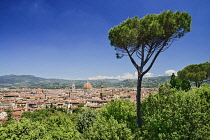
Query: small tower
73, 88
102, 86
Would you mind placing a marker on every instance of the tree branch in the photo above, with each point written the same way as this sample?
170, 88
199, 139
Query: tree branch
142, 58
168, 45
131, 58
155, 57
152, 48
139, 55
148, 57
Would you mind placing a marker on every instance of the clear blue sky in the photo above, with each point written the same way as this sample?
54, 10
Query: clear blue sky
69, 38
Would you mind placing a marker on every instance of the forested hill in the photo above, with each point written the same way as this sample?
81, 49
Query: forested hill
30, 81
12, 79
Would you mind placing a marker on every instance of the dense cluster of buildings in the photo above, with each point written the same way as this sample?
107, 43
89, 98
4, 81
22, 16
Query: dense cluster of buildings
20, 100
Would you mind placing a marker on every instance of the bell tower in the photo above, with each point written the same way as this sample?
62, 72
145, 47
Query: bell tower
73, 88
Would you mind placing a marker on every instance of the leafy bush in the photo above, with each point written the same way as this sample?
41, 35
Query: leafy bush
86, 119
108, 129
55, 126
178, 115
124, 111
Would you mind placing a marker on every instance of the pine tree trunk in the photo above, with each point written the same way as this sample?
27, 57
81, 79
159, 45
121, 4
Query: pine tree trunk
138, 102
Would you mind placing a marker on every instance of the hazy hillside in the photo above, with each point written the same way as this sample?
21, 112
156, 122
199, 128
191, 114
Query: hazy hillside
30, 81
13, 81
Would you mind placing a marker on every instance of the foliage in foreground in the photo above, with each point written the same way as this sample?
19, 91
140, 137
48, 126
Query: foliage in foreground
170, 114
178, 115
116, 121
57, 126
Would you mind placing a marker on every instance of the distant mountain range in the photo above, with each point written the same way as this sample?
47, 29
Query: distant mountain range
12, 79
30, 81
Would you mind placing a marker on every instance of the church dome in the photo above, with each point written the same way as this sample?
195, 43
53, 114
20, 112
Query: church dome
87, 86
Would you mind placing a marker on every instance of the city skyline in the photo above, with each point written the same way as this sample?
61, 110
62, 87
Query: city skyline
69, 39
